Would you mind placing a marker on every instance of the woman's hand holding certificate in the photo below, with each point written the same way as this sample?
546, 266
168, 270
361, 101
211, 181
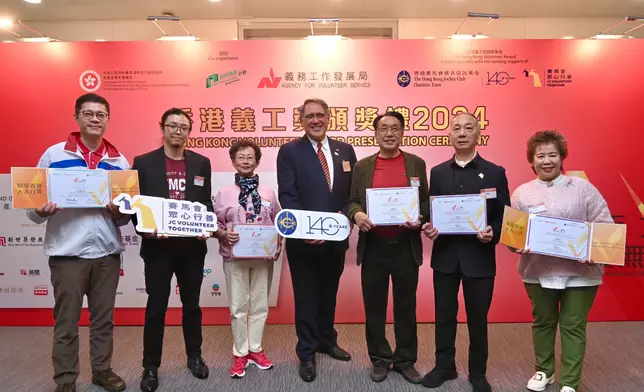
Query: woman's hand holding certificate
256, 242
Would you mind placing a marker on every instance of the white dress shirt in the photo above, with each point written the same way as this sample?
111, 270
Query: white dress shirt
326, 149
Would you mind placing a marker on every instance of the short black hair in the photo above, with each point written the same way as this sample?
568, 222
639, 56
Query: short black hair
175, 111
245, 143
394, 114
93, 98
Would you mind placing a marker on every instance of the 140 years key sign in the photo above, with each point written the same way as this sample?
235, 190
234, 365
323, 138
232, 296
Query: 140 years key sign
590, 90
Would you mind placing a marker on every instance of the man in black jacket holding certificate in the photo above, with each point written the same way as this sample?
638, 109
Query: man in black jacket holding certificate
467, 258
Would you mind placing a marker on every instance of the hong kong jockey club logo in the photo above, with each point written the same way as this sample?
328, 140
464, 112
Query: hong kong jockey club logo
403, 78
90, 81
286, 223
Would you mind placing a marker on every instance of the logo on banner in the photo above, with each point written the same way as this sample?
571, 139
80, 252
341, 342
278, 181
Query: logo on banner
41, 290
554, 77
270, 81
498, 78
176, 290
21, 241
536, 79
227, 78
25, 272
206, 272
286, 223
90, 81
11, 290
403, 79
140, 290
215, 291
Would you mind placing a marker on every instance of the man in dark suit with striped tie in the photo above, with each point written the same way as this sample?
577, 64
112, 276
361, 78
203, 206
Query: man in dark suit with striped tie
314, 173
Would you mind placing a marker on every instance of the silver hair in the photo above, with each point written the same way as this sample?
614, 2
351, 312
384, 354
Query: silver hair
320, 102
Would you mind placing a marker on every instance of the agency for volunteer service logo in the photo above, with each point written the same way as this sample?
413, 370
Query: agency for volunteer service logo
90, 81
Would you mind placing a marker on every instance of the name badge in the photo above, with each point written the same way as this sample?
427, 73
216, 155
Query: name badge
198, 181
266, 203
414, 181
490, 193
537, 209
346, 166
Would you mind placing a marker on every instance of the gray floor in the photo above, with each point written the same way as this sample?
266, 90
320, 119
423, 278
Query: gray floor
613, 361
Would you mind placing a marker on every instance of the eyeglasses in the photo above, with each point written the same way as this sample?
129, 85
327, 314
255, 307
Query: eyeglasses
317, 116
88, 115
173, 128
384, 130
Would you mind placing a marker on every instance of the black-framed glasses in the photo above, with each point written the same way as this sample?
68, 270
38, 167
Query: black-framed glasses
88, 115
173, 128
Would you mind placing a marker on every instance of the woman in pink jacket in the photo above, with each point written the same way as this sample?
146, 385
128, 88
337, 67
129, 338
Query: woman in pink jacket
562, 291
248, 282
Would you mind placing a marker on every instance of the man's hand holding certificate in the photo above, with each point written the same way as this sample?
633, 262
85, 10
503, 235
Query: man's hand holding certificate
460, 214
392, 207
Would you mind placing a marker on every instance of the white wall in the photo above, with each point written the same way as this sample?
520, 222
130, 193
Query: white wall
407, 28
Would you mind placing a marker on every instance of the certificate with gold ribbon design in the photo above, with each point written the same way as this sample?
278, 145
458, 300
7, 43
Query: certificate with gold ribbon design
392, 206
255, 242
558, 237
459, 214
79, 188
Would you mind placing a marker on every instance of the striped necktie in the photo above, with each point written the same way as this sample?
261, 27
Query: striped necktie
325, 166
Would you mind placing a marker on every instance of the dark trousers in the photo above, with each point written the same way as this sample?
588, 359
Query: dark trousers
478, 297
158, 275
315, 274
72, 278
387, 258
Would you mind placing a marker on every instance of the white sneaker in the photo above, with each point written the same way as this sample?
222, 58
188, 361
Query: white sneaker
539, 382
568, 389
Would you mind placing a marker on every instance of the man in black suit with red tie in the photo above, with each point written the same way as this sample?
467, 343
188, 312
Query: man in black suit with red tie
314, 173
470, 259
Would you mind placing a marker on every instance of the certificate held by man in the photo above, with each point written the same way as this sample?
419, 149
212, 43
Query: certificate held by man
255, 242
558, 237
392, 206
459, 214
79, 188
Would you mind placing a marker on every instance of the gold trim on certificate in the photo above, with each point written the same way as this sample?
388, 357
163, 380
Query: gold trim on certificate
255, 242
459, 214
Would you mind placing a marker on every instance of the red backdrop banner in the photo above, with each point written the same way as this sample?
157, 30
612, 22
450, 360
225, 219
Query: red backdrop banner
590, 90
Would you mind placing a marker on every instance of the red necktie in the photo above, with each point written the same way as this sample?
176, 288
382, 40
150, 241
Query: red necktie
325, 166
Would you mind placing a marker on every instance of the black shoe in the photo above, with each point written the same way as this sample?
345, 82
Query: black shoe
378, 373
437, 377
149, 380
480, 384
410, 374
198, 367
337, 353
307, 371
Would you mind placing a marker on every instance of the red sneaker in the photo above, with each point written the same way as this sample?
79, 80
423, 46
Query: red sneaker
239, 367
260, 360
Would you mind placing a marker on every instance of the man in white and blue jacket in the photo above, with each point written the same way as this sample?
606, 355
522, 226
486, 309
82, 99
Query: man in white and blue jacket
84, 247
